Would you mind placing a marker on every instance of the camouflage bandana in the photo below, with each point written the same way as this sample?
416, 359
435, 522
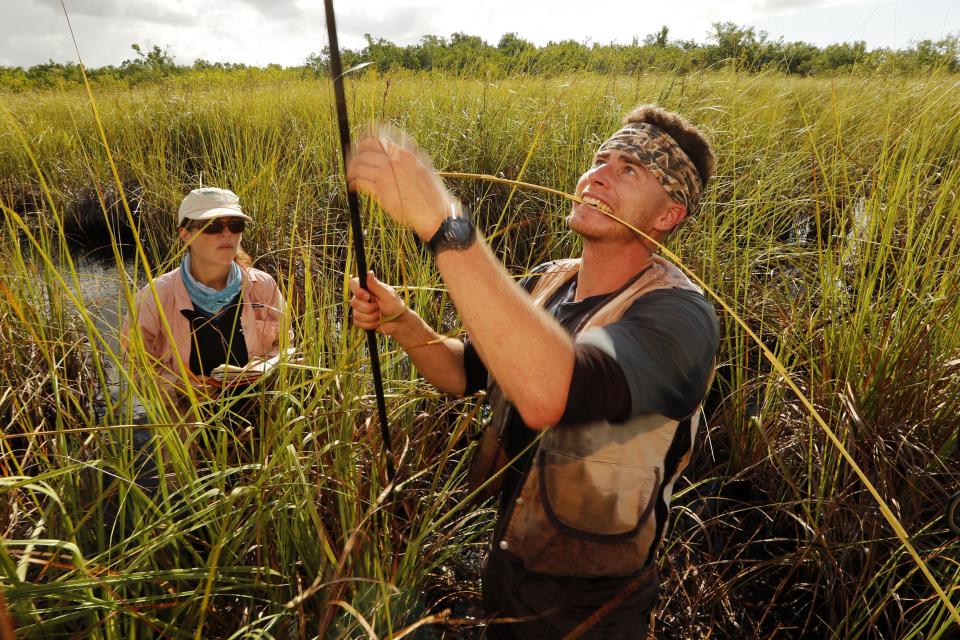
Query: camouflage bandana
663, 157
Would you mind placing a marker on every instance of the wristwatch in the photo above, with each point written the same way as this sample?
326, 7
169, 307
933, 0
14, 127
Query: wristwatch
456, 232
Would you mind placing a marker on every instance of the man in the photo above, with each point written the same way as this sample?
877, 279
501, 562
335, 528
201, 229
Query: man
613, 352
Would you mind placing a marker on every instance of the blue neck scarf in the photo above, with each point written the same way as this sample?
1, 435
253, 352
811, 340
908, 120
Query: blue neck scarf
207, 298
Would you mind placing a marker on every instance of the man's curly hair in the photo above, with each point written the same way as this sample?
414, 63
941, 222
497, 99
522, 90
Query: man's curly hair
693, 143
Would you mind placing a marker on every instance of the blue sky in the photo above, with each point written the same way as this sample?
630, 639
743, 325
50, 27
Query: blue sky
286, 31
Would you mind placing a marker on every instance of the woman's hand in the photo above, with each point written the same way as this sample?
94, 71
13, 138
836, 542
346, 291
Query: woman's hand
390, 168
380, 308
206, 387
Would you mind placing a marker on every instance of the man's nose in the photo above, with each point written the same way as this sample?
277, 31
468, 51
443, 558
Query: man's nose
598, 174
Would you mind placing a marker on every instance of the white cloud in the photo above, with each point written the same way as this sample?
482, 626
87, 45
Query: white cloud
768, 6
280, 9
398, 23
286, 31
145, 10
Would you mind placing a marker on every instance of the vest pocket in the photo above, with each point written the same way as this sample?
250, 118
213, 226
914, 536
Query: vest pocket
595, 499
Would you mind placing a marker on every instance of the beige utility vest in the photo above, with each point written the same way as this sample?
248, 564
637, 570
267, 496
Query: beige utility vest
596, 498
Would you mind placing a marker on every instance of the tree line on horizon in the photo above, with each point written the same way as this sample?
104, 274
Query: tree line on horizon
728, 46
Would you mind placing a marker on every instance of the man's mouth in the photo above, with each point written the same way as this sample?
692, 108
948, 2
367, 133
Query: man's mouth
596, 204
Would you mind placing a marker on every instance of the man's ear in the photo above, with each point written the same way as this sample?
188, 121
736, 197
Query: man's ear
672, 215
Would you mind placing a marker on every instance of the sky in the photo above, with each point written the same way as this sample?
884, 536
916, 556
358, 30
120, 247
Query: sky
259, 32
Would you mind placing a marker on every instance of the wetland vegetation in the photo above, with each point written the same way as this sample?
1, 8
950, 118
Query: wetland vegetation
832, 230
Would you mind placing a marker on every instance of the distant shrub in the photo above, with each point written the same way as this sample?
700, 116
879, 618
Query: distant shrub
728, 45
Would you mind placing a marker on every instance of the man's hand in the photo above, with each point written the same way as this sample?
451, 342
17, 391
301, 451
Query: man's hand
438, 358
380, 308
390, 168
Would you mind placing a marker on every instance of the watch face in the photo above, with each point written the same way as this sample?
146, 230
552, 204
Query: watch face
459, 233
455, 233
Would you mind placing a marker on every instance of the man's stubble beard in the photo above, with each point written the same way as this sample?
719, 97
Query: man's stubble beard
616, 231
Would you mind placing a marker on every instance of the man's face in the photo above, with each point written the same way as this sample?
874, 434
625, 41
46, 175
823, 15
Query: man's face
619, 184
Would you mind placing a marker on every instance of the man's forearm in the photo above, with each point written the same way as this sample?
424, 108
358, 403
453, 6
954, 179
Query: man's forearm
437, 358
527, 351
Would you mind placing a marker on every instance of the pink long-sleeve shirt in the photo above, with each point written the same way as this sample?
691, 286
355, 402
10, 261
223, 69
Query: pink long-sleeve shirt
261, 318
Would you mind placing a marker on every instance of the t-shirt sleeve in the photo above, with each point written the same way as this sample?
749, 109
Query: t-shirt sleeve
598, 388
474, 368
665, 344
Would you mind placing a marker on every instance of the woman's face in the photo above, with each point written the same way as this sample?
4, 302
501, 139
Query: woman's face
213, 241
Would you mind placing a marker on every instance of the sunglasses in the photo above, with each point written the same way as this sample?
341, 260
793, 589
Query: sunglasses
236, 225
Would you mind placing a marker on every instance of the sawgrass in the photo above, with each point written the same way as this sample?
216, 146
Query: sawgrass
831, 229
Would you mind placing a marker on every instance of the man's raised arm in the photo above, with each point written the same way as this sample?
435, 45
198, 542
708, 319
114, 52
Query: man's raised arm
526, 351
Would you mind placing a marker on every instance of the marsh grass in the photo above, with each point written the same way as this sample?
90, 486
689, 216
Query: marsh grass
831, 229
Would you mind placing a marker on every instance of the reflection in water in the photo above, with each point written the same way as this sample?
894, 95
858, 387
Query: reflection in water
99, 288
102, 295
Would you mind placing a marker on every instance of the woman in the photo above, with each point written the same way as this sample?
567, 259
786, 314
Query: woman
214, 309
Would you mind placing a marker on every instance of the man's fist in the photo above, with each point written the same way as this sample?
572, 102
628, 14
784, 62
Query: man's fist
390, 168
380, 308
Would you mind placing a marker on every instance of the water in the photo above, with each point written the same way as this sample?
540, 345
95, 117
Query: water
101, 294
97, 284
